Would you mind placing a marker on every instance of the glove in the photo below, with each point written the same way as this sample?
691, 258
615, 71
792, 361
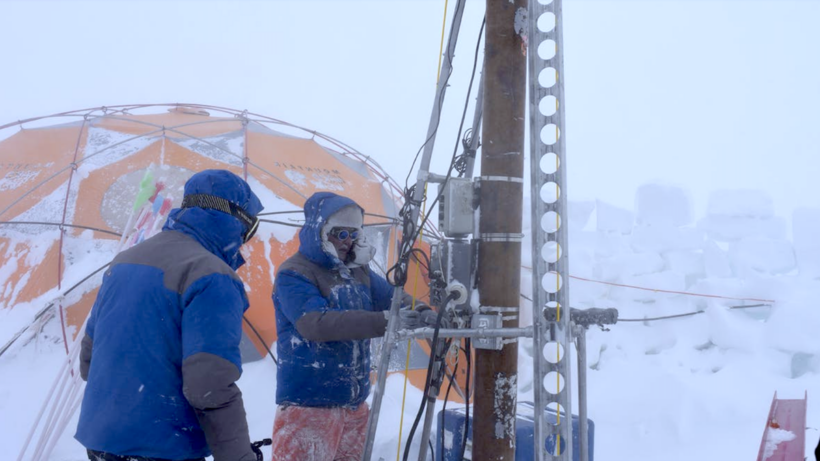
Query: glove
413, 319
360, 254
429, 317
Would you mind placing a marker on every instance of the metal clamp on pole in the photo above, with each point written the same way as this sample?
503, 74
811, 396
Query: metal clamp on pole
474, 333
586, 317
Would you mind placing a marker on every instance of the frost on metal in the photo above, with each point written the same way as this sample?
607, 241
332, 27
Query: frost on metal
520, 21
505, 392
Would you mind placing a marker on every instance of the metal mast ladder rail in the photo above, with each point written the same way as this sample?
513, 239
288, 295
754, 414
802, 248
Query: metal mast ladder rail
550, 279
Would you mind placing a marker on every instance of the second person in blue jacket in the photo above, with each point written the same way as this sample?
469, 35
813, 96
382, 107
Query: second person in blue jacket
328, 305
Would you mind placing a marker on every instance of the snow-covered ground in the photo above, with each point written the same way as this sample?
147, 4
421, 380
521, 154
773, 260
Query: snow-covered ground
697, 387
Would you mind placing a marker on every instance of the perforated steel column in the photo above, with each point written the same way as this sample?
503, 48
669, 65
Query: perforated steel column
549, 252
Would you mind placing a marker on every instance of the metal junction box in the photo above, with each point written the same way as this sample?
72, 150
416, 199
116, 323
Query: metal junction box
456, 214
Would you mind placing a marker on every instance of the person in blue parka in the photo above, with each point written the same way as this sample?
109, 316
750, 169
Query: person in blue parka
328, 305
161, 348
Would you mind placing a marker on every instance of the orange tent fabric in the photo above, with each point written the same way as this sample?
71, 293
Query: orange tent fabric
73, 194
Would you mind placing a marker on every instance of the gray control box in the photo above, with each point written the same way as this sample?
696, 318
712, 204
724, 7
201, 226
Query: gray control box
456, 214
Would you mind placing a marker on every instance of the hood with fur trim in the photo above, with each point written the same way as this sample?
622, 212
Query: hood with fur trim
321, 211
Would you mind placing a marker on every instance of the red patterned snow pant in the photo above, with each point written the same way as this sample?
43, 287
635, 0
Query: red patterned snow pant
319, 434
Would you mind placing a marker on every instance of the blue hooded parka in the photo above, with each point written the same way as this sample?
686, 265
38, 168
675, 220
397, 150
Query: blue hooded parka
161, 346
324, 373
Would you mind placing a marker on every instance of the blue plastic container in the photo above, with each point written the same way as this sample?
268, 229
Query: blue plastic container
454, 427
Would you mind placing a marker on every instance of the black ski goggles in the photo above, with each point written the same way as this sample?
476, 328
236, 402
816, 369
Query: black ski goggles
342, 233
212, 202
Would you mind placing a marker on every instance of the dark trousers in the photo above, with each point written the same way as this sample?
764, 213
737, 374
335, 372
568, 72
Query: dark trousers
94, 455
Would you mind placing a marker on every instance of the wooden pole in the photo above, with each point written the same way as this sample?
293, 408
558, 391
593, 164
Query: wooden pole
499, 225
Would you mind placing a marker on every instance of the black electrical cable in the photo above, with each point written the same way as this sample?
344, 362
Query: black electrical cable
675, 316
426, 263
451, 379
260, 339
461, 160
409, 230
467, 353
425, 397
461, 125
410, 233
439, 108
431, 362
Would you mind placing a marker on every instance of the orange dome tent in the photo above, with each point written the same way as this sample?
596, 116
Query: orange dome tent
75, 193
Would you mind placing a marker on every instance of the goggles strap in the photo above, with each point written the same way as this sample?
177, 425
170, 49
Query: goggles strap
213, 202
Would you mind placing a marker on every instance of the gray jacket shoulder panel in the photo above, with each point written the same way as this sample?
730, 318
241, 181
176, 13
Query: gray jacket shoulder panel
301, 265
324, 279
182, 259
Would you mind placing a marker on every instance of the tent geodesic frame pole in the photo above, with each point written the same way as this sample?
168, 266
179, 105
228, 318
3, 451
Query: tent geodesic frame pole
418, 196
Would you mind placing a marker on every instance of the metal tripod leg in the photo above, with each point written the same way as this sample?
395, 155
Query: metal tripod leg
384, 362
583, 430
424, 171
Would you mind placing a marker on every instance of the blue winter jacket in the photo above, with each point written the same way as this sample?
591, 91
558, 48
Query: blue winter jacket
325, 373
161, 351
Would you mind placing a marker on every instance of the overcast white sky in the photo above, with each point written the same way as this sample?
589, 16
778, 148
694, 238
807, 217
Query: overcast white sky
702, 94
